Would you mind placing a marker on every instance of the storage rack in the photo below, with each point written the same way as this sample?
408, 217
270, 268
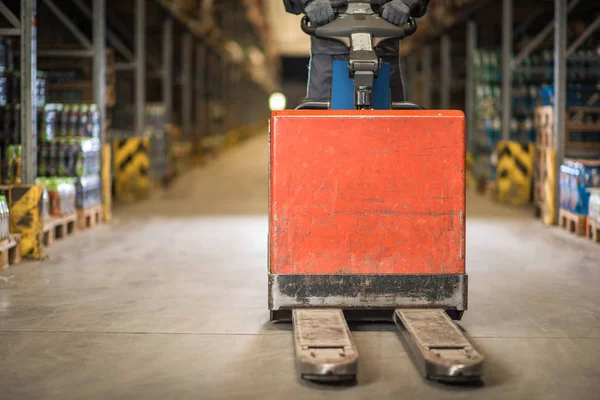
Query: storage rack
202, 40
462, 21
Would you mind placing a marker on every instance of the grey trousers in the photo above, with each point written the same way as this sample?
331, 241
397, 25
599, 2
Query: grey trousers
320, 76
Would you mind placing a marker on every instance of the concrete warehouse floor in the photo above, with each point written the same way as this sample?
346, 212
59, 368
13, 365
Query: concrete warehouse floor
169, 302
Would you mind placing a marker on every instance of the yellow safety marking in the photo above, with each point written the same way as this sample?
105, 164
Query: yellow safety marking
26, 220
127, 148
514, 172
131, 167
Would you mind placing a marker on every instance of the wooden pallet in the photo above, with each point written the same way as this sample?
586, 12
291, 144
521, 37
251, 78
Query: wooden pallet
48, 232
10, 251
545, 137
89, 217
572, 222
59, 228
592, 231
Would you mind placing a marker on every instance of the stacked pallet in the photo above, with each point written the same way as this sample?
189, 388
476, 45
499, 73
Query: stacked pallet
89, 217
572, 222
58, 227
61, 227
10, 251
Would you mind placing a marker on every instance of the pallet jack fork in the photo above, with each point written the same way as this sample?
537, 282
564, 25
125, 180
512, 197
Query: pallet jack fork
440, 350
367, 219
325, 350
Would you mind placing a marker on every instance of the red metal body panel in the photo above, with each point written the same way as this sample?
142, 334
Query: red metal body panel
367, 192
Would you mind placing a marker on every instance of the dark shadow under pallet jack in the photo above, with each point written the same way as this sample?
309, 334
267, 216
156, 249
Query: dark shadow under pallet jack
367, 219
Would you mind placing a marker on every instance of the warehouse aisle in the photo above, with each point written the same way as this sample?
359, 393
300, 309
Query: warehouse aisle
169, 301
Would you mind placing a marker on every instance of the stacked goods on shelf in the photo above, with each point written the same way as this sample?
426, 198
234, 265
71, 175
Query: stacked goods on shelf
10, 114
24, 232
488, 111
582, 140
69, 152
71, 81
61, 195
10, 245
577, 177
488, 100
10, 79
532, 87
89, 192
530, 84
593, 227
4, 219
45, 205
12, 167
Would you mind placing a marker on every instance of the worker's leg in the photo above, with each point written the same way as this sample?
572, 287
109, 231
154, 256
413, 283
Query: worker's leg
320, 76
396, 84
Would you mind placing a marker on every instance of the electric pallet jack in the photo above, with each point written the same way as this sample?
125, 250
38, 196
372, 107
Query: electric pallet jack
367, 215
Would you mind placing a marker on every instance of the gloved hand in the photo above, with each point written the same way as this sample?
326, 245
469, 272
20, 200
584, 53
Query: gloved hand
319, 12
396, 12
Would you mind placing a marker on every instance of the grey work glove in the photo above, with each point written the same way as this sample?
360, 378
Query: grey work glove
396, 12
319, 12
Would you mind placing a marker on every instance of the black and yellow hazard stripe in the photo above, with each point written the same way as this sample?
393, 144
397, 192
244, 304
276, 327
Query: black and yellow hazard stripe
25, 204
131, 167
514, 172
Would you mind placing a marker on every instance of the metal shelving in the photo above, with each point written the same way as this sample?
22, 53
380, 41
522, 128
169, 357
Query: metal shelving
444, 27
198, 37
